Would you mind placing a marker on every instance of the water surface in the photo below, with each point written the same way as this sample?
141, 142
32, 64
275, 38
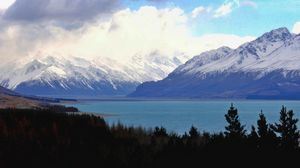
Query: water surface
178, 116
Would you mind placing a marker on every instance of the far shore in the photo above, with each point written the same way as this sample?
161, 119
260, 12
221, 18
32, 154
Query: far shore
103, 115
86, 100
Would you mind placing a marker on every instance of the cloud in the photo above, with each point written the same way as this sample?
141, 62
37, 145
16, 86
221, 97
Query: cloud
296, 28
4, 4
126, 34
200, 10
223, 10
229, 5
213, 41
34, 10
158, 0
249, 3
226, 8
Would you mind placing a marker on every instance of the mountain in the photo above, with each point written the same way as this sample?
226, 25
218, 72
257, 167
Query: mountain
7, 91
266, 68
57, 76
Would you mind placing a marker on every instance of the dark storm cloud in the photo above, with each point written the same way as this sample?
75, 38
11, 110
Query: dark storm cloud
35, 10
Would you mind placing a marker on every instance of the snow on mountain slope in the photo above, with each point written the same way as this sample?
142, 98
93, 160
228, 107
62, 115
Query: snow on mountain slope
268, 67
74, 76
253, 56
203, 59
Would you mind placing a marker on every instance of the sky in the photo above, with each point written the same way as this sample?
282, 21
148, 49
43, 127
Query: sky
121, 29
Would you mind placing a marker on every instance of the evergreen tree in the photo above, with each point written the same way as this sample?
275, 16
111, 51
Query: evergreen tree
262, 125
267, 137
287, 129
194, 132
253, 138
253, 133
160, 132
234, 128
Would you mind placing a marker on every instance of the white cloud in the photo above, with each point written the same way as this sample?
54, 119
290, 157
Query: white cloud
200, 10
249, 3
4, 4
213, 41
224, 10
296, 28
126, 34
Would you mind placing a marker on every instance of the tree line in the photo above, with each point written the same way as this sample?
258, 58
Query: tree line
46, 138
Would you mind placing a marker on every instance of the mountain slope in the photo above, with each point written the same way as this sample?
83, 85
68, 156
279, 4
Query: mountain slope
268, 67
10, 99
74, 76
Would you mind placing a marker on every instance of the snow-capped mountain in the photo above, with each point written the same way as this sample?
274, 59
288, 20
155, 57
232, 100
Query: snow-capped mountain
268, 67
74, 76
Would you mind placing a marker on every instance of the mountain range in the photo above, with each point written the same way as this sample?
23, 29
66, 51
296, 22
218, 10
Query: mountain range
266, 68
56, 76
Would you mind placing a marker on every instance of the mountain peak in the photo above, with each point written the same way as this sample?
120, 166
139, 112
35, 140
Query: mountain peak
281, 29
266, 68
280, 34
225, 49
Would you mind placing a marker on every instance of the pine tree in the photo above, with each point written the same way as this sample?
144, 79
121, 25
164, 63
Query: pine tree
262, 125
160, 132
234, 128
253, 133
194, 132
267, 137
253, 138
287, 129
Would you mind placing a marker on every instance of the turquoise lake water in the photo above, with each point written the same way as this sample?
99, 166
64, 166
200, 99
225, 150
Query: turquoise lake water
179, 116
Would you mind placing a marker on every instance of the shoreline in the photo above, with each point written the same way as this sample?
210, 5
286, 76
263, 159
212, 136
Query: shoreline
103, 115
83, 101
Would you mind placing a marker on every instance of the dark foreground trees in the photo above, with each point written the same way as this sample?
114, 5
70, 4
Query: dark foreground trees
44, 138
287, 129
235, 129
267, 139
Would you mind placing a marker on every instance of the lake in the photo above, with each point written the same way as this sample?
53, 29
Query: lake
178, 116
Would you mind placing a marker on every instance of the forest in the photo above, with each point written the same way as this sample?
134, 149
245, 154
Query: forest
47, 138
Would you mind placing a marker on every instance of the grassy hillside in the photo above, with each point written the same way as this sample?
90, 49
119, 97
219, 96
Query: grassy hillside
9, 101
